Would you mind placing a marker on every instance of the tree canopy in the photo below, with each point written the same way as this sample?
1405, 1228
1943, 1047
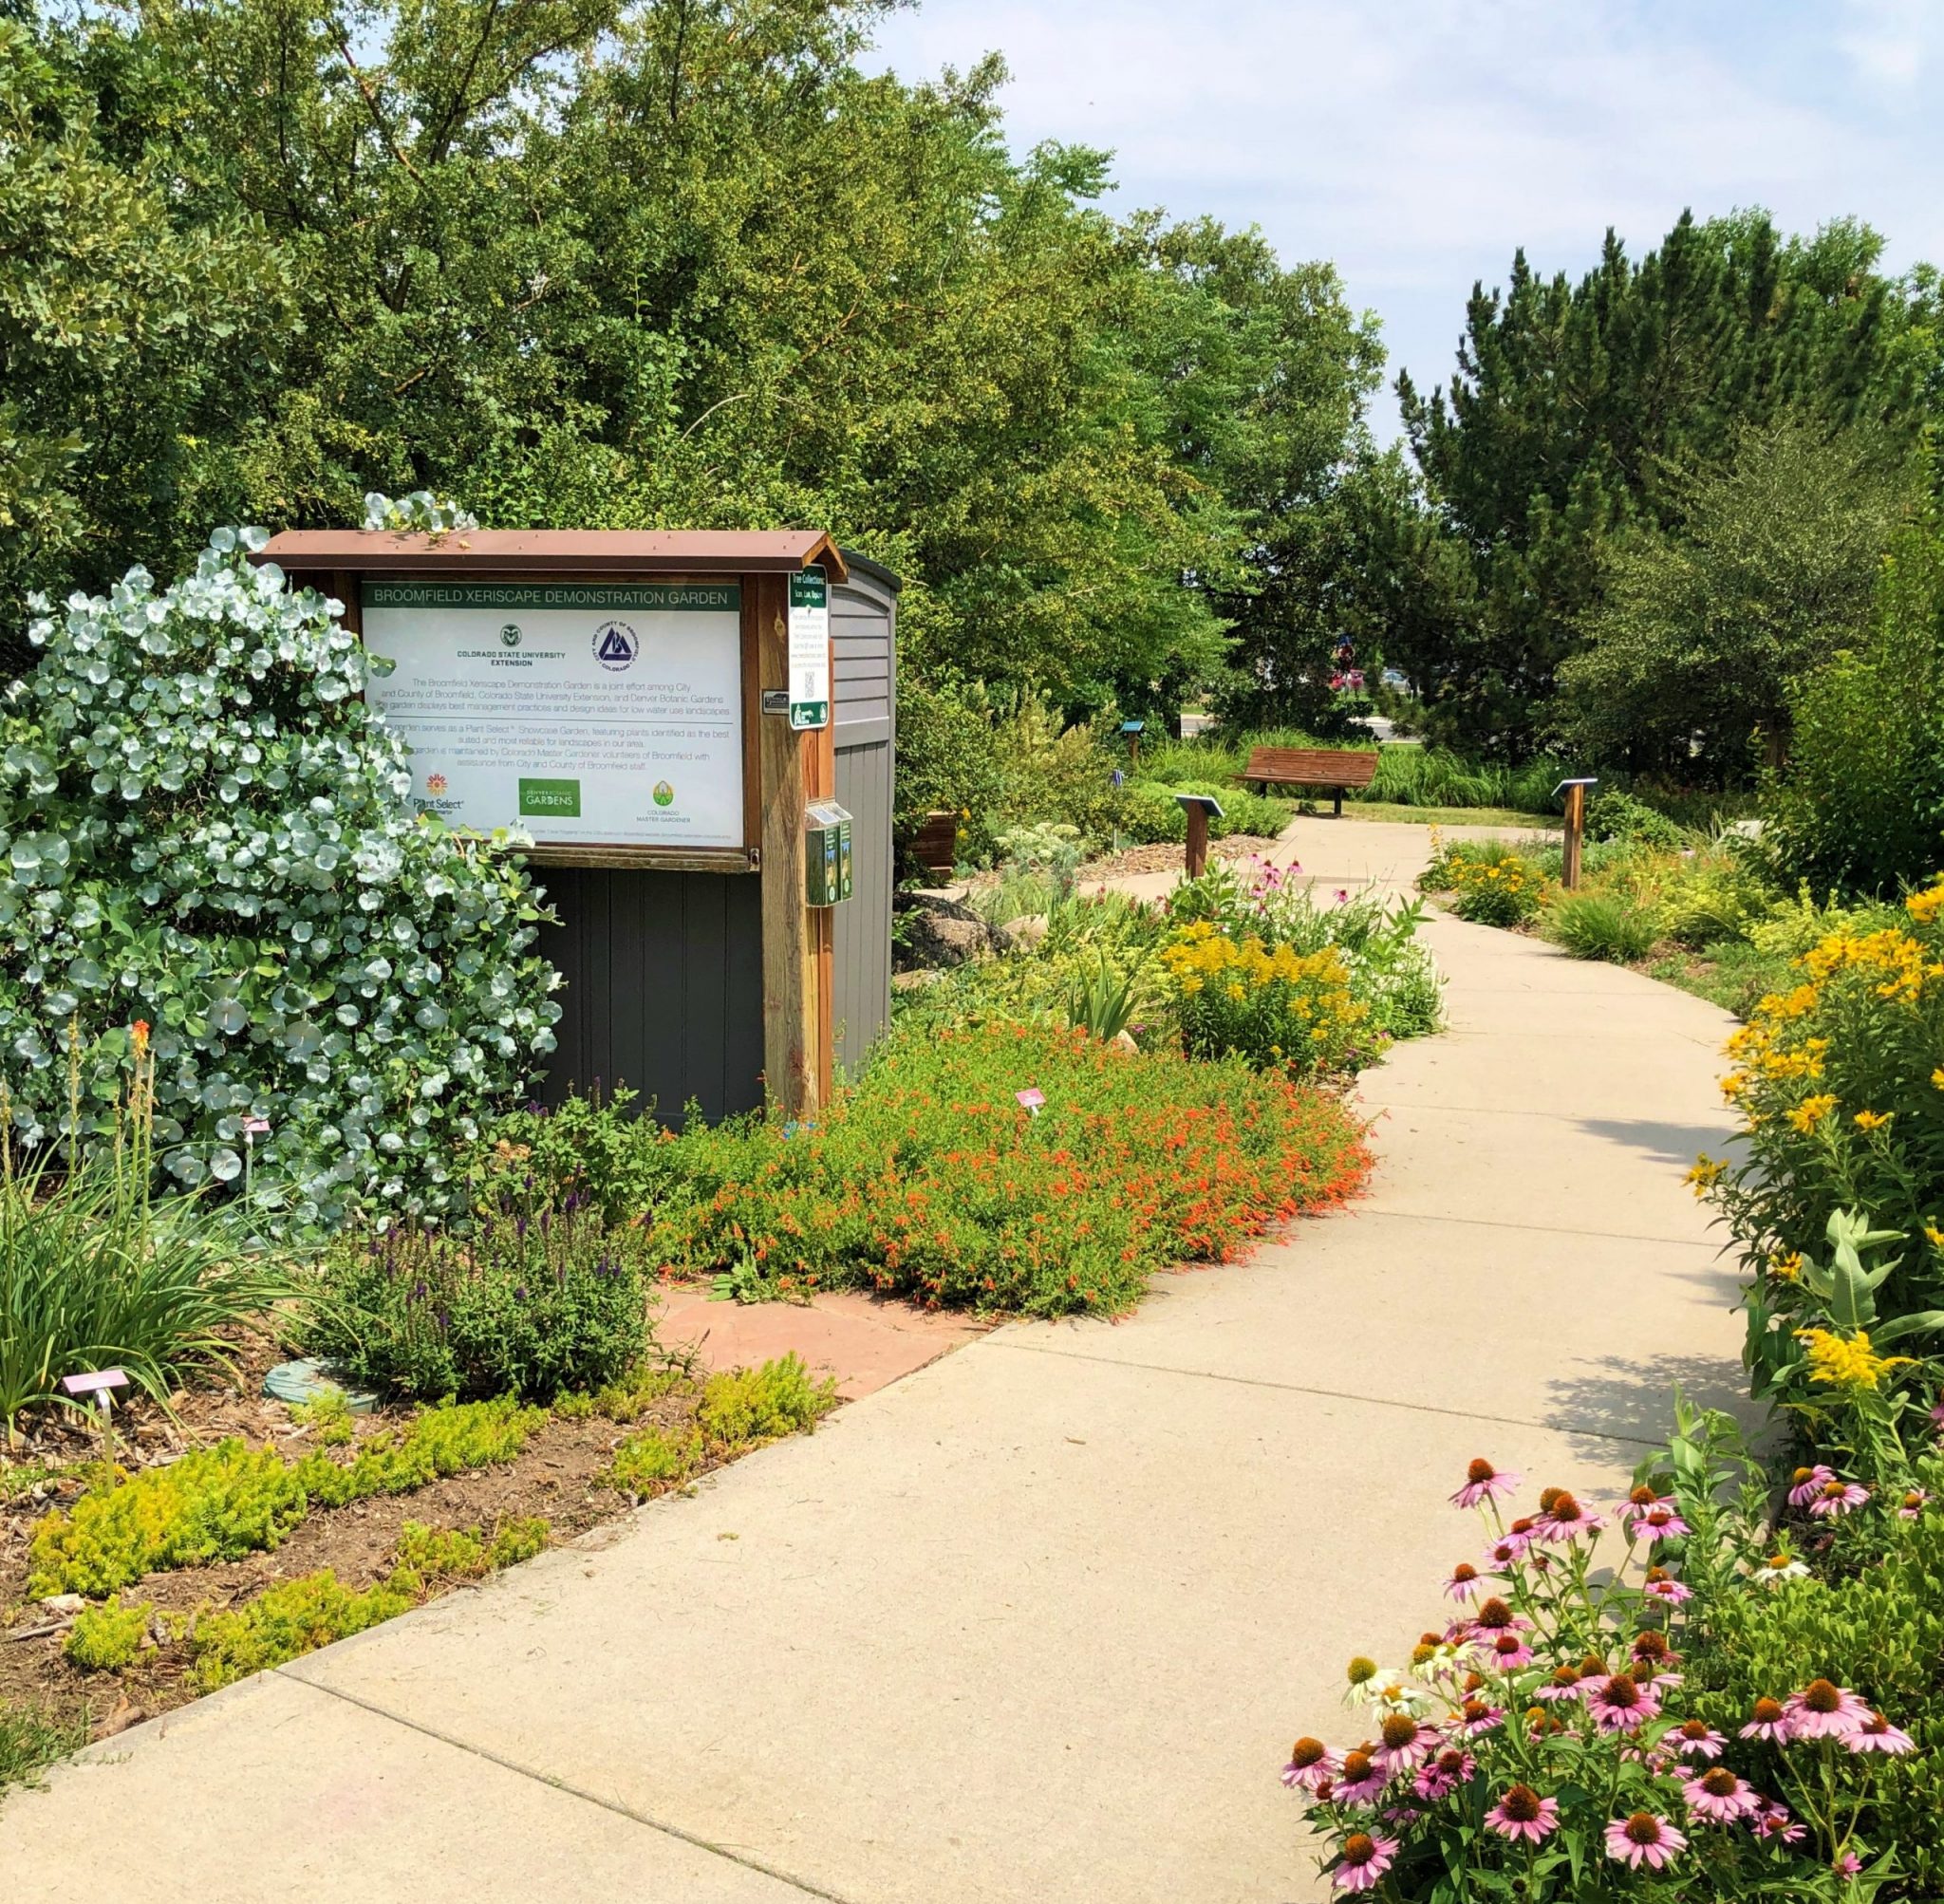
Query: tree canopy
1578, 412
621, 265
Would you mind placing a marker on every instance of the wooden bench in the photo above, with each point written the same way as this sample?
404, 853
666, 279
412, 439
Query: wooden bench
1322, 767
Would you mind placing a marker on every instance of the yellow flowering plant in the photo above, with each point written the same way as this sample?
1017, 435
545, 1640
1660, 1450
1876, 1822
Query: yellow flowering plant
1279, 1008
1838, 1082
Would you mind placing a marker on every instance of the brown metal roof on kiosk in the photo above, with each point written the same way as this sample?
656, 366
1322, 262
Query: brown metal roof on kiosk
558, 552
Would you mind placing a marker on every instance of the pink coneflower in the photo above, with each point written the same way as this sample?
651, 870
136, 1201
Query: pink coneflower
1522, 1814
1463, 1581
1451, 1767
1837, 1498
1806, 1483
1769, 1722
1620, 1704
1562, 1683
1363, 1861
1510, 1652
1360, 1780
1492, 1617
1477, 1717
1655, 1516
1876, 1734
1643, 1838
1660, 1522
1848, 1865
1404, 1742
1661, 1586
1566, 1519
1937, 1415
1911, 1505
1311, 1764
1482, 1482
1770, 1819
1823, 1709
1719, 1796
1694, 1739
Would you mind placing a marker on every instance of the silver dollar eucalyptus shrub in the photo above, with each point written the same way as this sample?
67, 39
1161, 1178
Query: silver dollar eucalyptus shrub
203, 827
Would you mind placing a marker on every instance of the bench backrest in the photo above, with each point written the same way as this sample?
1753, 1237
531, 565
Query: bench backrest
1311, 765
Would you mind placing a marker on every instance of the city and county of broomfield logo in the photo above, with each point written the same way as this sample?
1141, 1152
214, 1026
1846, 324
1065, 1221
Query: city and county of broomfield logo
616, 645
509, 635
664, 794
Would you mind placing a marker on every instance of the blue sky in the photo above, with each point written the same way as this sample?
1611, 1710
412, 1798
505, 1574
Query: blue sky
1417, 142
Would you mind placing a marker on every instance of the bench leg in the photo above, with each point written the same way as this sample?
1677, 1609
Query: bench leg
1337, 809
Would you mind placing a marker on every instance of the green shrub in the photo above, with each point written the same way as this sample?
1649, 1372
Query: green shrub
629, 1398
105, 1638
1156, 817
288, 1620
949, 760
1431, 776
428, 1553
653, 1459
224, 1502
328, 1417
744, 1407
930, 1176
205, 818
1494, 888
1619, 816
1861, 806
534, 1299
1596, 925
596, 1149
95, 1275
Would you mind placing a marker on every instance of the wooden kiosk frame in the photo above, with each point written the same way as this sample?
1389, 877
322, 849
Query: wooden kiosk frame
784, 771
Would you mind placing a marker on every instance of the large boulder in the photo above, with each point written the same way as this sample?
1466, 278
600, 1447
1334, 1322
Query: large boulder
936, 930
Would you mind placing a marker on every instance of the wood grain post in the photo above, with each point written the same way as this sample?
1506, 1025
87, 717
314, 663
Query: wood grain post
1575, 821
791, 1034
1198, 839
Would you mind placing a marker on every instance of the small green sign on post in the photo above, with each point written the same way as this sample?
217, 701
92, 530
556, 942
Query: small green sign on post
810, 650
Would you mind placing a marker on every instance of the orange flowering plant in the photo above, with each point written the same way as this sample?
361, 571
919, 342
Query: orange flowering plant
1023, 1167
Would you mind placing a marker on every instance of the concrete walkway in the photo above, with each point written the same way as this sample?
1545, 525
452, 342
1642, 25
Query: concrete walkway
1037, 1624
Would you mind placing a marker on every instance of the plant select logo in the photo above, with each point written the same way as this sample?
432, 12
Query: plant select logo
435, 784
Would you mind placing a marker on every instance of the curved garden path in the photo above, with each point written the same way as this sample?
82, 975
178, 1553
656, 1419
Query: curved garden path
1036, 1624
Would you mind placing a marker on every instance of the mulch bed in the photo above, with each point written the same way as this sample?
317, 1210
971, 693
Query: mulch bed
554, 1476
1169, 857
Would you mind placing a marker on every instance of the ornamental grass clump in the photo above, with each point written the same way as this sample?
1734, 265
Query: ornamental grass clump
1568, 1733
98, 1271
941, 1175
203, 826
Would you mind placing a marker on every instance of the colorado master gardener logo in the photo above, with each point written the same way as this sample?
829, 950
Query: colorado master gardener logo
509, 635
664, 794
616, 645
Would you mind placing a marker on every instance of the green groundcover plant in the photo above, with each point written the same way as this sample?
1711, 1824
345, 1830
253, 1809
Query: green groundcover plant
203, 828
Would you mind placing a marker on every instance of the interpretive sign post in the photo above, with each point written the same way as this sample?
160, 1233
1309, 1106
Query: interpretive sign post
602, 692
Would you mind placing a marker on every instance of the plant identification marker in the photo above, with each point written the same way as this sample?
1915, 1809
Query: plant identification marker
810, 650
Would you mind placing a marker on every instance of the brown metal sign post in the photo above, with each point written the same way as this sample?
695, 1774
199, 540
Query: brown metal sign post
526, 644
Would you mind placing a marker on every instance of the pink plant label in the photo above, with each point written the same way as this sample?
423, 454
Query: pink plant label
90, 1384
1032, 1100
256, 1126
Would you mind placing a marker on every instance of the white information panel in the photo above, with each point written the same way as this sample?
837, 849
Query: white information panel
588, 713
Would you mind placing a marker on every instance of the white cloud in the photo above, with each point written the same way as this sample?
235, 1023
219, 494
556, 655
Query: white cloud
1418, 142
